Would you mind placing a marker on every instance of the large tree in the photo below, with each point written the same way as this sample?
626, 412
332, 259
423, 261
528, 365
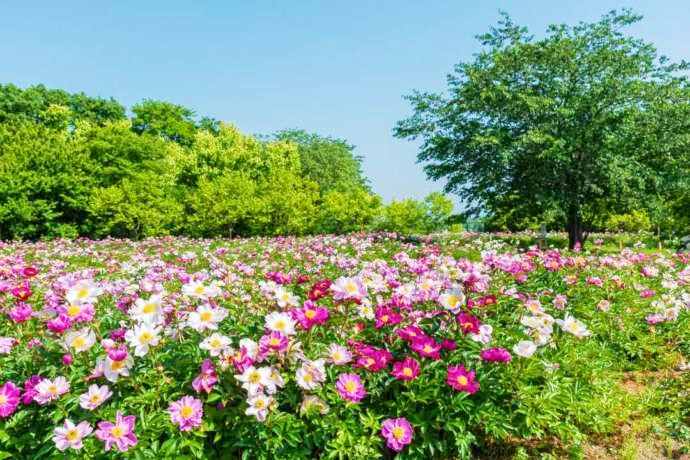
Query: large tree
557, 129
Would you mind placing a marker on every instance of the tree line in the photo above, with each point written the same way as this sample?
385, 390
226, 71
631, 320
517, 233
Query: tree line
73, 165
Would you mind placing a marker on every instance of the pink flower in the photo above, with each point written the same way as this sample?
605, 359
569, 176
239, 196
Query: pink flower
397, 432
94, 397
647, 293
461, 379
206, 379
186, 412
59, 324
30, 389
48, 390
9, 399
71, 436
386, 317
273, 341
410, 332
120, 433
407, 369
6, 344
350, 387
311, 315
22, 293
20, 313
320, 289
348, 288
371, 358
427, 347
468, 323
496, 354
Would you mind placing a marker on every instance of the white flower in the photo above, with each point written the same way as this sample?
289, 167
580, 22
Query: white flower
216, 343
142, 337
452, 300
280, 322
80, 340
286, 298
484, 335
50, 390
85, 291
259, 405
206, 317
311, 374
254, 380
573, 326
524, 348
198, 290
148, 311
114, 369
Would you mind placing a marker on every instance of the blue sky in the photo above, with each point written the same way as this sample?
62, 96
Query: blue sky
337, 68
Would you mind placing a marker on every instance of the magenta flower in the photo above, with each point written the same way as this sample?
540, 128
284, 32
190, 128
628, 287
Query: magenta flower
496, 354
70, 435
206, 379
426, 347
21, 293
385, 316
9, 399
372, 359
397, 432
350, 387
410, 332
462, 380
468, 323
407, 369
120, 433
59, 324
29, 389
311, 315
186, 412
20, 313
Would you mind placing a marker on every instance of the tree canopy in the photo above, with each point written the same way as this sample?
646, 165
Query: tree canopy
564, 130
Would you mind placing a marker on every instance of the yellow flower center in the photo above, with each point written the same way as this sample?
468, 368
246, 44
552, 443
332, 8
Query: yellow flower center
280, 325
186, 411
95, 399
308, 377
73, 310
453, 300
310, 314
385, 318
273, 341
206, 316
350, 386
72, 435
462, 380
117, 432
3, 400
150, 308
398, 432
79, 342
427, 349
117, 365
215, 343
259, 404
146, 337
254, 377
337, 356
407, 372
83, 292
199, 290
53, 389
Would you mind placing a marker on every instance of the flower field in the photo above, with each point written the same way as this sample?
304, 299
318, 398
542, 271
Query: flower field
361, 346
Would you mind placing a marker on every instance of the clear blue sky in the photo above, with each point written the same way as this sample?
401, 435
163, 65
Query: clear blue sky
337, 68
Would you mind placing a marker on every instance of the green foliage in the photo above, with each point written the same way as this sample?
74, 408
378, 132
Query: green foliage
561, 130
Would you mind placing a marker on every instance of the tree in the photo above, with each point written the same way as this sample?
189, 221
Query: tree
560, 128
171, 122
328, 162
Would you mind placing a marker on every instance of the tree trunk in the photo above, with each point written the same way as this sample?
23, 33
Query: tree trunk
575, 229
